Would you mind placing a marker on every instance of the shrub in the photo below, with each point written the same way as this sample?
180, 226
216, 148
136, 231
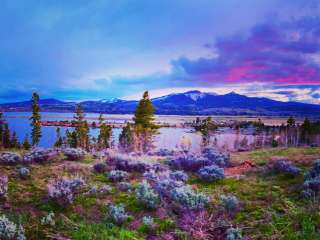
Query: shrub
311, 185
117, 214
9, 158
211, 173
23, 172
163, 152
165, 186
151, 175
3, 186
96, 190
74, 154
217, 158
100, 167
124, 186
179, 176
64, 190
133, 166
230, 203
148, 221
188, 198
189, 162
48, 220
146, 195
117, 175
234, 234
10, 231
285, 166
40, 155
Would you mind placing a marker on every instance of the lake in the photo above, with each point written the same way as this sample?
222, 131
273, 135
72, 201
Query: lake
169, 138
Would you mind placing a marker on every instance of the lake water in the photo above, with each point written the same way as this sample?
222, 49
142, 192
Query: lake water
169, 138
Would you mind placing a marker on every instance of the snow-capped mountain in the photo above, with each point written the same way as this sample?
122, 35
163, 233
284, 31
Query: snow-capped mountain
191, 102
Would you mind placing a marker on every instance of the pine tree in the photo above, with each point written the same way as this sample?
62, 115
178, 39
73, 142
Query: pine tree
59, 140
35, 120
14, 141
144, 126
71, 138
1, 129
26, 145
101, 119
6, 136
144, 114
81, 129
104, 136
126, 138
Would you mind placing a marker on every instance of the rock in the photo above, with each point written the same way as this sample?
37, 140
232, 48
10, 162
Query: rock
74, 154
9, 158
40, 155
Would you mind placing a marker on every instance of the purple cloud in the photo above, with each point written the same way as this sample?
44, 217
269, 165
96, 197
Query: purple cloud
278, 53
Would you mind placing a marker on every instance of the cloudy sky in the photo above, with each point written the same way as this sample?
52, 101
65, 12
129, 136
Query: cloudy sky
101, 49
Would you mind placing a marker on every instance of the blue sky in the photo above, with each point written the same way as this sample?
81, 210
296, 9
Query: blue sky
100, 49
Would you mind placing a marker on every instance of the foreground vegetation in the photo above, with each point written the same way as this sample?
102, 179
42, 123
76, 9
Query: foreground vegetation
270, 203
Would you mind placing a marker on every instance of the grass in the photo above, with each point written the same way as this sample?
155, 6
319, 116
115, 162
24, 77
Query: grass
271, 207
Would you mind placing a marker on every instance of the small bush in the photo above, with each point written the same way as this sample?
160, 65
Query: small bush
98, 190
9, 158
3, 186
146, 195
117, 175
10, 231
216, 158
211, 173
311, 185
234, 234
285, 166
23, 172
64, 190
124, 186
188, 198
165, 186
189, 162
117, 214
74, 154
179, 176
40, 155
148, 221
100, 167
230, 203
48, 220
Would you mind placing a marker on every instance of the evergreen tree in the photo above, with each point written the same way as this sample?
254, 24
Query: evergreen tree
291, 122
104, 136
81, 129
59, 140
306, 131
6, 136
126, 138
144, 126
71, 138
144, 114
101, 119
26, 145
14, 141
35, 120
2, 122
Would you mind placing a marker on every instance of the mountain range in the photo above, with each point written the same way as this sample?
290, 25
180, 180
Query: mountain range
188, 103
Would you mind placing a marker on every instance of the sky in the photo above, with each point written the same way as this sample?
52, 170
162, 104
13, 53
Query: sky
100, 49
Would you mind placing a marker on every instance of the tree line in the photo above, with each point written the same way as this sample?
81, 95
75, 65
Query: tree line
136, 136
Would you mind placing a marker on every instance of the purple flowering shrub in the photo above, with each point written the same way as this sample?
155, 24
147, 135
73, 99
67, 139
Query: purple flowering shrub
117, 175
117, 214
211, 173
11, 231
146, 195
216, 157
186, 197
311, 185
8, 158
285, 166
64, 190
100, 167
40, 155
74, 154
234, 234
229, 202
179, 176
3, 186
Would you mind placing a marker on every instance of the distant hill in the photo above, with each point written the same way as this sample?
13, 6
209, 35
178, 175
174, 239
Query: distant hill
188, 103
